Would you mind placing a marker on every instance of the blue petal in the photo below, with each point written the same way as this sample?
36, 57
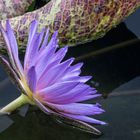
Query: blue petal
12, 47
31, 79
50, 76
86, 119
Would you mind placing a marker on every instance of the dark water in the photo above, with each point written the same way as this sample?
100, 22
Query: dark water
116, 74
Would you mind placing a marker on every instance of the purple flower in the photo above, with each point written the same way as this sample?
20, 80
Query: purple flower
52, 85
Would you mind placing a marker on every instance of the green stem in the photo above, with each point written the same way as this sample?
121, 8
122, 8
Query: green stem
20, 101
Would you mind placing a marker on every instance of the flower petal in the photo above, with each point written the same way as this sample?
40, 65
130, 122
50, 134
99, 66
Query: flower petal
56, 89
50, 76
32, 32
73, 71
78, 108
75, 67
32, 52
44, 44
84, 98
81, 79
12, 47
52, 43
75, 94
31, 79
86, 119
73, 98
68, 120
12, 39
41, 106
43, 62
76, 124
32, 48
31, 40
58, 56
13, 75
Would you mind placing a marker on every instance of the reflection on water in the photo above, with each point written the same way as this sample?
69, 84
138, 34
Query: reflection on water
110, 70
37, 126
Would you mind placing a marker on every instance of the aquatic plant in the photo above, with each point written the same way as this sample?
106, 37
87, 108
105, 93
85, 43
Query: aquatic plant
54, 86
77, 21
12, 8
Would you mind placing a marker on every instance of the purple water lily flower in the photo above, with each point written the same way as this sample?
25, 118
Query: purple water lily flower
54, 86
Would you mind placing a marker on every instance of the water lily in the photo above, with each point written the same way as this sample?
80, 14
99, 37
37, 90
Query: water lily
55, 86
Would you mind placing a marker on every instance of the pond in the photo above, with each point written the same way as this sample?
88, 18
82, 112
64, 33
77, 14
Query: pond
114, 63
